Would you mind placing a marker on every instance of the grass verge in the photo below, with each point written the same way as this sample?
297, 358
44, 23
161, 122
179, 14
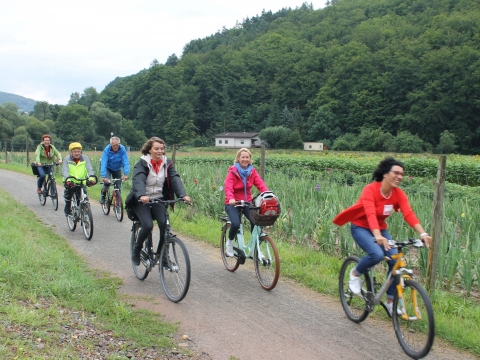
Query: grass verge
53, 306
457, 318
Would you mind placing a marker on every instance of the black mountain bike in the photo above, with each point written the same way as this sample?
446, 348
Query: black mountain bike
49, 188
113, 198
80, 208
175, 264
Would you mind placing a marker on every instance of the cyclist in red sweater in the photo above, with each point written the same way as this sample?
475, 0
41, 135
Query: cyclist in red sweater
369, 230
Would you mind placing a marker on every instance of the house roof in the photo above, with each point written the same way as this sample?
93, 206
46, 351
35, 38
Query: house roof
237, 135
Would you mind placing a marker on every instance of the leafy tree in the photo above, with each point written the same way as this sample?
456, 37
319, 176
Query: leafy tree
12, 117
347, 142
408, 143
447, 143
36, 128
272, 135
41, 110
323, 125
74, 123
10, 106
290, 140
54, 109
130, 135
6, 129
88, 97
172, 60
154, 63
20, 139
105, 120
180, 128
74, 97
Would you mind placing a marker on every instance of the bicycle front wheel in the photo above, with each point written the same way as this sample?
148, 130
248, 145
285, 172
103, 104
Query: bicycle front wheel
106, 203
267, 263
72, 217
231, 263
355, 306
42, 197
174, 267
141, 271
87, 221
415, 328
118, 205
53, 194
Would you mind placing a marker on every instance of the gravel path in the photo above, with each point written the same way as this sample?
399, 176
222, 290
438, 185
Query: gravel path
227, 314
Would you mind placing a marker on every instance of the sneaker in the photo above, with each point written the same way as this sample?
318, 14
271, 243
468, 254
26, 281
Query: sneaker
229, 250
390, 308
102, 199
355, 283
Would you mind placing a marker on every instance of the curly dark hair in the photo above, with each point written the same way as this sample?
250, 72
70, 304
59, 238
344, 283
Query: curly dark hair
148, 145
384, 168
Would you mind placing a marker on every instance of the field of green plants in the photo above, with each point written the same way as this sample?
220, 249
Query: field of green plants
314, 187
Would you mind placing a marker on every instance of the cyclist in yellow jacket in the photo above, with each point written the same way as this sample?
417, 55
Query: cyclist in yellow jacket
78, 165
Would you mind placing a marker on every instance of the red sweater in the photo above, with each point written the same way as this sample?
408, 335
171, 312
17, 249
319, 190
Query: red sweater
371, 210
234, 185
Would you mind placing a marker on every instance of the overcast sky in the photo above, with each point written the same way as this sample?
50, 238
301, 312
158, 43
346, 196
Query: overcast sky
50, 49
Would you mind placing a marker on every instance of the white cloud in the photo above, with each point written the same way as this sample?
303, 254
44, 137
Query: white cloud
50, 49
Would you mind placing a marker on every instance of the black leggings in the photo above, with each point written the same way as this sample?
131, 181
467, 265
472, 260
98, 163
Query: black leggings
234, 215
146, 214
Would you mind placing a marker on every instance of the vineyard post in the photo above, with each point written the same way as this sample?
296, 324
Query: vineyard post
26, 147
6, 152
262, 164
174, 150
437, 213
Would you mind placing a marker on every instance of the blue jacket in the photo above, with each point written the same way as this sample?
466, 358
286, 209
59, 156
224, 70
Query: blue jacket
114, 161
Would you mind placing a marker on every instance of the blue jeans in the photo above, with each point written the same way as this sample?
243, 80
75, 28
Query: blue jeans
42, 170
113, 174
233, 213
375, 253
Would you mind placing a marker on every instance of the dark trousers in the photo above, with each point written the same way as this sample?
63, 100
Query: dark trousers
234, 215
68, 192
146, 214
42, 171
111, 174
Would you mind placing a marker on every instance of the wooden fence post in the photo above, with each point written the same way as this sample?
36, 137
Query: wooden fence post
26, 147
174, 151
436, 228
6, 152
262, 163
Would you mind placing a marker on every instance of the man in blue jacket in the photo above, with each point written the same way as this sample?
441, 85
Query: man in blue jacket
114, 157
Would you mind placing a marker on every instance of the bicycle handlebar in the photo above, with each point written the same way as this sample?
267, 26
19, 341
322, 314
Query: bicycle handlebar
52, 164
418, 243
111, 181
81, 180
167, 202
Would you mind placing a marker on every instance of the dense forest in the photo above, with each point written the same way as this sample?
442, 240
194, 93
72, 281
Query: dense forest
357, 75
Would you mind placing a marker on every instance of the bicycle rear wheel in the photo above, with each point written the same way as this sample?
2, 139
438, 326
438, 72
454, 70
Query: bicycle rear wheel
87, 221
231, 263
141, 271
355, 306
72, 217
174, 267
53, 194
117, 205
42, 197
267, 263
106, 203
416, 333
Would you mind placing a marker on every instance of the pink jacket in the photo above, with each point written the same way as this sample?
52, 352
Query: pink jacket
234, 185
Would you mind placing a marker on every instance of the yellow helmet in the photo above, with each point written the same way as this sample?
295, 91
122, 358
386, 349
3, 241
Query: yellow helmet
74, 145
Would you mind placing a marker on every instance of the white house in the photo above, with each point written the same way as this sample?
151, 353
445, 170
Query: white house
313, 146
237, 140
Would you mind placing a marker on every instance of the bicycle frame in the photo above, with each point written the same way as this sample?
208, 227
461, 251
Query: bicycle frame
254, 241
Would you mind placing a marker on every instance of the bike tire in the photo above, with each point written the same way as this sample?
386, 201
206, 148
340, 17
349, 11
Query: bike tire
175, 277
355, 306
106, 203
53, 194
72, 219
118, 205
42, 197
267, 266
231, 263
87, 221
141, 271
414, 335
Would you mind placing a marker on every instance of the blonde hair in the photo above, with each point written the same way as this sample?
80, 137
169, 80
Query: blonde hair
239, 153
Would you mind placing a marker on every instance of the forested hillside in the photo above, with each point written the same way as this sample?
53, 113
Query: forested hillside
23, 103
376, 75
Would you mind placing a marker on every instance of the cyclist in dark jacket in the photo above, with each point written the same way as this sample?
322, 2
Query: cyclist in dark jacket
114, 158
154, 176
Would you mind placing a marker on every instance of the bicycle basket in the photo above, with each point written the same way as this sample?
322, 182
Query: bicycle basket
267, 209
34, 169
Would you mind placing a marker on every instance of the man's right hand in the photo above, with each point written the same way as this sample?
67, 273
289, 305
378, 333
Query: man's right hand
38, 164
106, 181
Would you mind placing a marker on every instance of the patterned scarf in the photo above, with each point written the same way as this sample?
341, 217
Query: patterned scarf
156, 165
244, 173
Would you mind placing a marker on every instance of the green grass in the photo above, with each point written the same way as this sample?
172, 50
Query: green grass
45, 285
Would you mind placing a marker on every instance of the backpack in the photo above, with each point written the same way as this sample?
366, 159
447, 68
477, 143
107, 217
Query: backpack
267, 209
129, 201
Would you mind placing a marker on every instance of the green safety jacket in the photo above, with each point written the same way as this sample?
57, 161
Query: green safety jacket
81, 170
41, 154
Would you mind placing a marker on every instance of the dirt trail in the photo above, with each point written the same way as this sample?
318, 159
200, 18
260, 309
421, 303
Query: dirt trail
225, 313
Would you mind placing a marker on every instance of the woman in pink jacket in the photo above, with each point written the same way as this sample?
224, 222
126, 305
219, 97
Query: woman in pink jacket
240, 178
